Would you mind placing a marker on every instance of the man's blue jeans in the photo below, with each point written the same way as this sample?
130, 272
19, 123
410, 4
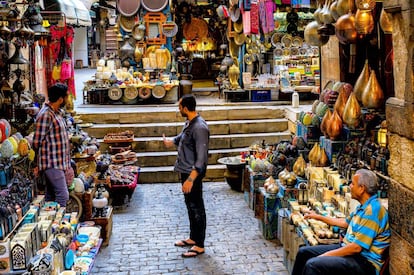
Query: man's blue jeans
56, 187
307, 262
196, 211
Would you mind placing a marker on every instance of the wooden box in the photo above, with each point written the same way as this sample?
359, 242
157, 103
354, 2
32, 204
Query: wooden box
106, 226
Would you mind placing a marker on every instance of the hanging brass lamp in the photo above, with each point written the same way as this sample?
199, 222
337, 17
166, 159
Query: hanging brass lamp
345, 6
17, 57
362, 81
385, 22
345, 29
373, 96
335, 126
312, 37
352, 112
364, 21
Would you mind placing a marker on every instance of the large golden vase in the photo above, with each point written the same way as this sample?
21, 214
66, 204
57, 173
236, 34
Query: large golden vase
234, 74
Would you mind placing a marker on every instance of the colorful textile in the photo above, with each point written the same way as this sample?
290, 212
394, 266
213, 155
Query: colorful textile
270, 8
254, 16
246, 23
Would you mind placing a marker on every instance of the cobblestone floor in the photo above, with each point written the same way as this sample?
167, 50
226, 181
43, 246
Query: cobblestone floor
144, 233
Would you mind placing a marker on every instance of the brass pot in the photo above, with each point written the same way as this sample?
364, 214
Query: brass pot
234, 74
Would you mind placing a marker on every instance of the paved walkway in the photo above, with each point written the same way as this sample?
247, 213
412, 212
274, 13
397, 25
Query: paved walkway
144, 233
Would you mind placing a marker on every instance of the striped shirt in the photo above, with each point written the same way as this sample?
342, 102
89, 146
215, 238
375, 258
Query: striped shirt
51, 140
369, 228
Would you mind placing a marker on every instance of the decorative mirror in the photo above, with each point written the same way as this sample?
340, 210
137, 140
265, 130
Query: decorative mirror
153, 23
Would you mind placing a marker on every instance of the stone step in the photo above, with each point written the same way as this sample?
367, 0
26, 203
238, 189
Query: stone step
168, 114
155, 144
173, 128
154, 159
164, 174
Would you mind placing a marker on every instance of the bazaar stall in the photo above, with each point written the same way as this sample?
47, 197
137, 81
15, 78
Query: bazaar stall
216, 43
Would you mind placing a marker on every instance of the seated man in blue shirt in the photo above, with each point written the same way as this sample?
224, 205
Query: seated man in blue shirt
367, 236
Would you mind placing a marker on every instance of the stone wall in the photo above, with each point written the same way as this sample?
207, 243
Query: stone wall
400, 120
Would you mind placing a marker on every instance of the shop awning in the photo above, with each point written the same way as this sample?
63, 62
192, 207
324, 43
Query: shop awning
75, 11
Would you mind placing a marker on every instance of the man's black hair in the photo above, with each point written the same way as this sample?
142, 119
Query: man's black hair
57, 91
189, 101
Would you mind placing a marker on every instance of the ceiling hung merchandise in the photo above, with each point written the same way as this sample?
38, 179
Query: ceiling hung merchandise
75, 11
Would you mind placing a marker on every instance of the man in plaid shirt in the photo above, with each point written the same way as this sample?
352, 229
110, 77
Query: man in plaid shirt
52, 146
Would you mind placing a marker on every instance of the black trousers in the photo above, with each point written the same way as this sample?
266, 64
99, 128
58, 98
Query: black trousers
307, 262
196, 211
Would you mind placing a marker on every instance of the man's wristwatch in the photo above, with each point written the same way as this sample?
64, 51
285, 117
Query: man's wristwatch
190, 179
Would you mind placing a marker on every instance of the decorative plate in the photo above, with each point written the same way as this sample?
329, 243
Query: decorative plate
315, 51
198, 28
128, 7
279, 45
297, 41
169, 29
278, 52
275, 39
138, 31
286, 40
130, 92
114, 93
158, 92
127, 23
154, 5
294, 50
303, 51
248, 59
144, 93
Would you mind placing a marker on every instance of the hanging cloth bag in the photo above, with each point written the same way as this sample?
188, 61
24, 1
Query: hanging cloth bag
66, 66
56, 71
66, 69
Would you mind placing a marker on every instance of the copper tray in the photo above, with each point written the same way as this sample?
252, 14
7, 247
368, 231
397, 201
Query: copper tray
128, 7
154, 5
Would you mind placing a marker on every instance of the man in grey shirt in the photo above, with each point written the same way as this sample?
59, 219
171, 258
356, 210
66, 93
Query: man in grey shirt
191, 163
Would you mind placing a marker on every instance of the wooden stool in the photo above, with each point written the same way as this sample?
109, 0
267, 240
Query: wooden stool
78, 64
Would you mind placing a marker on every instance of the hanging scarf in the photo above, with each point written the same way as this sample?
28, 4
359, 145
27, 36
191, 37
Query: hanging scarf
254, 16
